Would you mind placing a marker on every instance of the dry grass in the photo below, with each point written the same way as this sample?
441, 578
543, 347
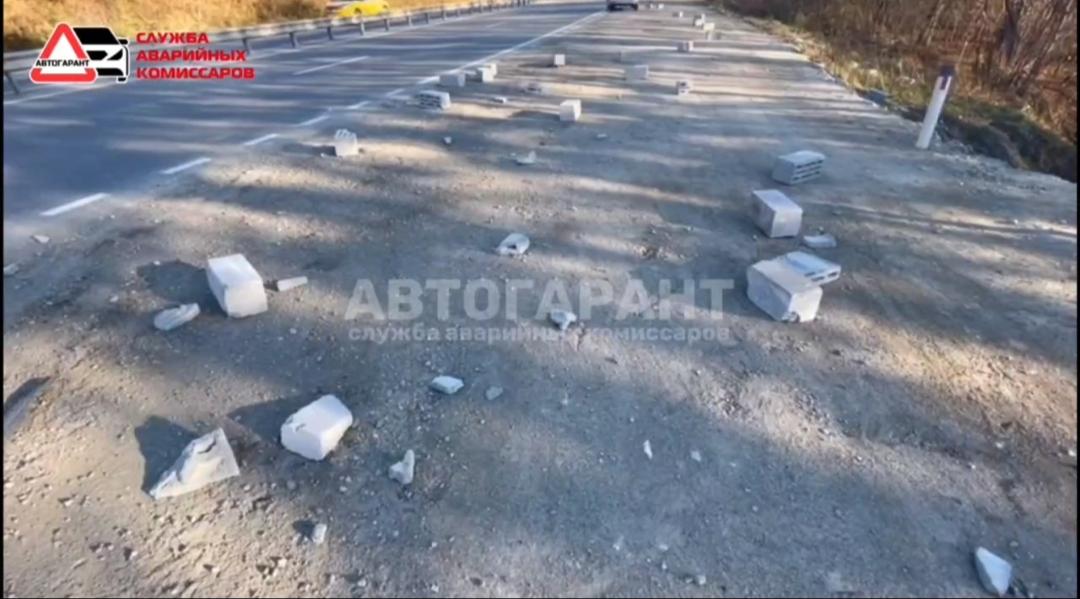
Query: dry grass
28, 23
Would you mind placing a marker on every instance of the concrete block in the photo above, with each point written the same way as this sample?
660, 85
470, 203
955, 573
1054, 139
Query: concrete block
290, 283
823, 241
816, 269
570, 111
345, 143
169, 319
452, 80
798, 167
447, 384
686, 47
491, 66
683, 87
995, 573
782, 292
236, 285
558, 60
433, 100
315, 429
515, 244
707, 27
638, 72
204, 461
776, 214
404, 470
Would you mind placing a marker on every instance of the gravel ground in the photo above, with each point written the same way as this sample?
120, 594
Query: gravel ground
930, 409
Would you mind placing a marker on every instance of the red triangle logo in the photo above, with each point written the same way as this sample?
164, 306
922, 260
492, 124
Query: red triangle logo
42, 74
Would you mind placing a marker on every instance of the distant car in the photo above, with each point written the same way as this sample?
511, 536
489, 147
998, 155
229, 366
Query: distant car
364, 8
108, 54
621, 4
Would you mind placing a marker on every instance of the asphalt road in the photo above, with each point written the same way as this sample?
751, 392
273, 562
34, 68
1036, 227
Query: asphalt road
68, 148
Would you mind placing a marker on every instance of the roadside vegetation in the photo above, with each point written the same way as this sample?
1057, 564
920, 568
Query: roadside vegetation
28, 23
1015, 96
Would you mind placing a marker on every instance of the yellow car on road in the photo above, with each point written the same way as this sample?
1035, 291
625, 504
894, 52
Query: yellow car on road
364, 8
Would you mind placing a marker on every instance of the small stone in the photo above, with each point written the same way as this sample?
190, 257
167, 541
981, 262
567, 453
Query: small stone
290, 283
11, 269
447, 385
318, 533
995, 573
402, 471
448, 140
500, 99
515, 244
493, 393
647, 448
562, 318
169, 319
700, 580
42, 239
696, 456
290, 485
527, 159
819, 242
601, 136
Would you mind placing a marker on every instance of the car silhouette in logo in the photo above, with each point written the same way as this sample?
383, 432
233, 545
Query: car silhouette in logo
108, 54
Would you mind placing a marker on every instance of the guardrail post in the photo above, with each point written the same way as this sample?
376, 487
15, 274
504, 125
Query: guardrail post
247, 45
363, 29
444, 13
11, 81
427, 17
293, 40
386, 23
330, 32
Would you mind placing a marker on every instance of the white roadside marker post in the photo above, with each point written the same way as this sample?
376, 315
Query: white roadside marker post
937, 103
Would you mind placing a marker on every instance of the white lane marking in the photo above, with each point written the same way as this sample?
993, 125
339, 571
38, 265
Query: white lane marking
358, 105
580, 21
259, 140
395, 93
330, 65
183, 167
427, 80
73, 205
313, 120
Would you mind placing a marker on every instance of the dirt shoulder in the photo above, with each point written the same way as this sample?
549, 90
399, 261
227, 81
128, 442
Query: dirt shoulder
929, 410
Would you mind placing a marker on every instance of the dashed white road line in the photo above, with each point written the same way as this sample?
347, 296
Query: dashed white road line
183, 167
358, 105
259, 140
330, 65
580, 21
312, 121
395, 93
73, 205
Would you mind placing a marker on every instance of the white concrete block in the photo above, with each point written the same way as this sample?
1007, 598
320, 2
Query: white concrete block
204, 461
819, 242
995, 573
570, 111
452, 80
448, 385
686, 46
435, 100
515, 244
816, 269
782, 292
169, 319
345, 143
315, 429
707, 27
678, 14
798, 167
776, 214
638, 72
491, 66
290, 283
236, 285
559, 60
562, 318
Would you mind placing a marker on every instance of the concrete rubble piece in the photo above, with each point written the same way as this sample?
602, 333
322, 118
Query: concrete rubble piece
345, 143
290, 283
782, 292
447, 385
995, 573
236, 285
403, 471
314, 430
206, 460
798, 167
169, 319
515, 244
570, 111
562, 318
776, 214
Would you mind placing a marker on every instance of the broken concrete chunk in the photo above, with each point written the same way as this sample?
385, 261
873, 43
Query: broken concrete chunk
683, 87
527, 159
515, 244
816, 269
638, 72
486, 74
236, 285
452, 80
318, 533
601, 136
402, 471
570, 111
500, 99
290, 283
559, 60
42, 239
447, 385
345, 143
315, 429
823, 241
562, 318
647, 448
493, 393
448, 140
11, 269
995, 573
204, 461
696, 456
169, 319
798, 167
535, 87
708, 27
776, 214
782, 292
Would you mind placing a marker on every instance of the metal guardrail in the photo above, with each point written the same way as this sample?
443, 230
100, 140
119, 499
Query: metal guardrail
17, 61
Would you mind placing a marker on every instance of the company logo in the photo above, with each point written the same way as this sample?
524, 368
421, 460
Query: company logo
82, 55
